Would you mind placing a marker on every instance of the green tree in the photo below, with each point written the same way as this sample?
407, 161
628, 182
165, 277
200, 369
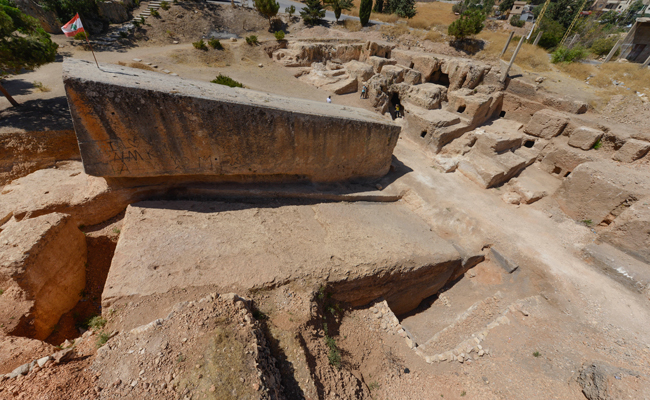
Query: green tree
515, 20
403, 8
379, 6
290, 10
338, 5
470, 23
552, 33
506, 5
313, 13
23, 43
365, 8
66, 9
268, 8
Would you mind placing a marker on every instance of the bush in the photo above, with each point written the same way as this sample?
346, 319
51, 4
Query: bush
516, 21
96, 323
279, 35
602, 47
470, 23
226, 81
364, 11
164, 5
313, 13
80, 36
562, 54
404, 8
290, 10
102, 339
155, 13
215, 44
251, 40
200, 45
124, 34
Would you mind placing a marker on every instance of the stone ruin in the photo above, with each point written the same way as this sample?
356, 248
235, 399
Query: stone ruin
509, 134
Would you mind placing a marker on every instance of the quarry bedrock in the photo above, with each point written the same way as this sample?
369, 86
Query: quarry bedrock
132, 123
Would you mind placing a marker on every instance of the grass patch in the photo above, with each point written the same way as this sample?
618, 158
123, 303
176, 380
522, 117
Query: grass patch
351, 25
1, 291
116, 230
577, 70
181, 358
164, 5
587, 222
226, 81
434, 36
428, 16
41, 87
102, 339
154, 13
536, 354
96, 323
137, 65
374, 385
598, 144
394, 30
532, 58
334, 355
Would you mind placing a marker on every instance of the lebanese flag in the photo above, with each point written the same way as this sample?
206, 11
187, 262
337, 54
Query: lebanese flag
73, 27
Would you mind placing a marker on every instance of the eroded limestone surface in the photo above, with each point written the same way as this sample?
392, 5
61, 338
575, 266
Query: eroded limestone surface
362, 250
133, 123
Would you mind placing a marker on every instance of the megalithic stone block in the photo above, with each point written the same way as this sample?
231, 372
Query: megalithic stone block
132, 123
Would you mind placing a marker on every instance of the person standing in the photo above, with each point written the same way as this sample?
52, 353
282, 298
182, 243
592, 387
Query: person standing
329, 99
398, 114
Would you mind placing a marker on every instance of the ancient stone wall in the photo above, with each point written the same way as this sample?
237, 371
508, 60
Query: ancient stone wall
132, 123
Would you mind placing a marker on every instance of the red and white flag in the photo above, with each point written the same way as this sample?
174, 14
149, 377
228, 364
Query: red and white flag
73, 27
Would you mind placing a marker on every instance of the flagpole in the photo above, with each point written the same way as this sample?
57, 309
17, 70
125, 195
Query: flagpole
90, 45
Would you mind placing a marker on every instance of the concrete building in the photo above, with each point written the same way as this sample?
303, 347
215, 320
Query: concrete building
525, 11
636, 46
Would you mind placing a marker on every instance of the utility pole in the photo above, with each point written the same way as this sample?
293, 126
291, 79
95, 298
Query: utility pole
512, 60
512, 33
8, 96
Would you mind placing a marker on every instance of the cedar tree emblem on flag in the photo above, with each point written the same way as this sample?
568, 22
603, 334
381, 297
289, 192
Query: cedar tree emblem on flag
73, 27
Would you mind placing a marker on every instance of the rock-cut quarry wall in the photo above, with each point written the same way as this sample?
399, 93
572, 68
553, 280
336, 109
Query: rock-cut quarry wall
139, 124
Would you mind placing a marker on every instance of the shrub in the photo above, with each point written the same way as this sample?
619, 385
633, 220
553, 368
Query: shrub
516, 21
80, 36
334, 355
200, 45
226, 81
268, 8
313, 13
290, 10
124, 34
562, 54
136, 23
404, 8
470, 23
602, 46
215, 44
155, 13
164, 5
251, 40
102, 339
364, 11
96, 323
41, 87
279, 35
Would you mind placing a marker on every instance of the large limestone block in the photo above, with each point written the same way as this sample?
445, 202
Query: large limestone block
425, 63
343, 87
534, 184
412, 77
47, 19
435, 129
362, 250
44, 259
596, 191
66, 189
630, 231
132, 123
585, 137
359, 70
478, 107
558, 158
426, 95
632, 150
499, 135
546, 124
379, 62
393, 73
